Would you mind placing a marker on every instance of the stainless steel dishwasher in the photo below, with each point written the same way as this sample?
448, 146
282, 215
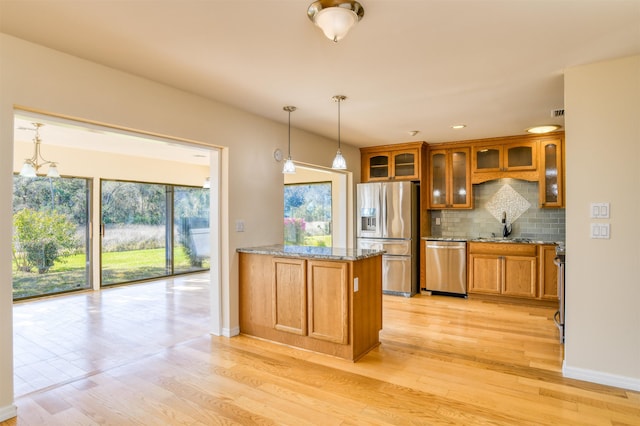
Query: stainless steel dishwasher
446, 267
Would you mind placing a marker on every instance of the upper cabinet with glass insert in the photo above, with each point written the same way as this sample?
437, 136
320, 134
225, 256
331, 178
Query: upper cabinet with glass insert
510, 157
392, 162
551, 184
450, 179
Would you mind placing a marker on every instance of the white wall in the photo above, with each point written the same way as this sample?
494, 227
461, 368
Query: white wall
602, 103
52, 82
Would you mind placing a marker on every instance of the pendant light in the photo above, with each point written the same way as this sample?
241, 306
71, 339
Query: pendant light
32, 165
289, 168
339, 162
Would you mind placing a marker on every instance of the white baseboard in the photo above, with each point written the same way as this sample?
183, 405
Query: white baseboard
8, 412
230, 332
601, 378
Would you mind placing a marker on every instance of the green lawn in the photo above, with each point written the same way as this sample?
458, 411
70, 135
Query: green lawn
69, 273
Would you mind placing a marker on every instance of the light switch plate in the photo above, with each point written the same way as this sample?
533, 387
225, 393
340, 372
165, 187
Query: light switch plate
355, 284
600, 230
240, 225
600, 210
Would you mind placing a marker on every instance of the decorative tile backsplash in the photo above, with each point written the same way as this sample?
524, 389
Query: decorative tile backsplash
507, 201
533, 222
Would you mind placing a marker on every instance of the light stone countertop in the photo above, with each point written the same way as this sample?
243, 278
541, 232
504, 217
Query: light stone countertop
516, 240
328, 253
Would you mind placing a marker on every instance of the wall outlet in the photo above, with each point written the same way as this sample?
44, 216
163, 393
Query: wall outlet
437, 221
355, 284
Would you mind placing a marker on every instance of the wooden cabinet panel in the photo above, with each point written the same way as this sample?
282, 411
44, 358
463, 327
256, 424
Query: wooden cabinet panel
485, 274
328, 303
289, 301
520, 276
548, 273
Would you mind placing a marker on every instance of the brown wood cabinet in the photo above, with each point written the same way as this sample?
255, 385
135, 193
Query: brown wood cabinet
312, 303
534, 158
449, 185
503, 268
548, 272
551, 183
328, 292
393, 162
507, 159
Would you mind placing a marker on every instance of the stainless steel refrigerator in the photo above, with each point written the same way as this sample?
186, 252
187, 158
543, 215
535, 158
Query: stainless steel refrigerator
388, 218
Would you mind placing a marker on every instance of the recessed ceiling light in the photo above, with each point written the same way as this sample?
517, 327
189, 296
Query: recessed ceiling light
543, 129
458, 126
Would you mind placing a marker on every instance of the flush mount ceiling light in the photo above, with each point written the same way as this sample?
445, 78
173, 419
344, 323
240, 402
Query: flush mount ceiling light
543, 129
339, 162
335, 17
289, 167
32, 165
458, 126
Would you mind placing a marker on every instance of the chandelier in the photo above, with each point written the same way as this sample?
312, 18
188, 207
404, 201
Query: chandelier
32, 165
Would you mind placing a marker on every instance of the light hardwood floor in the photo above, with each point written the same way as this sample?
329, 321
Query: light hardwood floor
145, 359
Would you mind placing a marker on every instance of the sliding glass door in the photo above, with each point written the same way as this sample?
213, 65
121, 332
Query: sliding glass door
151, 230
50, 235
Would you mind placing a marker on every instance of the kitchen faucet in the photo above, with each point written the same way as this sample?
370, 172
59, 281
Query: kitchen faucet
506, 230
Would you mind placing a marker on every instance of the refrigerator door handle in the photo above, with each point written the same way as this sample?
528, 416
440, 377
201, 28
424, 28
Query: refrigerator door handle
383, 211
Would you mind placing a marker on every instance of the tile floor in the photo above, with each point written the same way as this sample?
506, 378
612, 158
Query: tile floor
59, 339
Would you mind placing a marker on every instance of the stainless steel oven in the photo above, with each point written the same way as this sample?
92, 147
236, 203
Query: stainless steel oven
560, 261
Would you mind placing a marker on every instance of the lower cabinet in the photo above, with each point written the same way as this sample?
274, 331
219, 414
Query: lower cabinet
503, 269
548, 272
310, 297
328, 293
327, 306
289, 295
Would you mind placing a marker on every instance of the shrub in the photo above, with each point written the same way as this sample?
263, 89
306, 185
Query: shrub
40, 238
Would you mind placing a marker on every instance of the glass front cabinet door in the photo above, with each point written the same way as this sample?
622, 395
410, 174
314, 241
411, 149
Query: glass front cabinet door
405, 164
450, 179
378, 166
520, 156
551, 174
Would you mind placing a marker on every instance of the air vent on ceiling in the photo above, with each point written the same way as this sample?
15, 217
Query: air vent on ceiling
557, 112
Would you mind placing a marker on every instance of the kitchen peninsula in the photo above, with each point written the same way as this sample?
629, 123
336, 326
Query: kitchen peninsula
323, 299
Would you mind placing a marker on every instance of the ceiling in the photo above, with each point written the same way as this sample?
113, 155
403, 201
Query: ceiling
495, 66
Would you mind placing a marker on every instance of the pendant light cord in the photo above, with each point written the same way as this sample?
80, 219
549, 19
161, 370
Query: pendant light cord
339, 124
289, 134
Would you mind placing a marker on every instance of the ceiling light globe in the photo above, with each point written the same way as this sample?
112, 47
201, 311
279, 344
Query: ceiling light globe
27, 170
289, 168
335, 22
339, 162
53, 171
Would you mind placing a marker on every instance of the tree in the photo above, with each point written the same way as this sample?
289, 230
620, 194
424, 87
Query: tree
40, 239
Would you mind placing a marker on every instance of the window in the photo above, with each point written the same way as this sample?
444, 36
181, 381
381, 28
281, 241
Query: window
307, 214
50, 235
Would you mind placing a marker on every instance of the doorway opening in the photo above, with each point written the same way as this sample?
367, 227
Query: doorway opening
91, 153
316, 208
